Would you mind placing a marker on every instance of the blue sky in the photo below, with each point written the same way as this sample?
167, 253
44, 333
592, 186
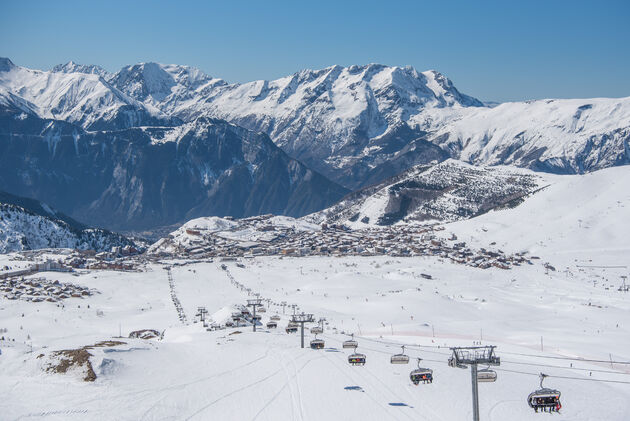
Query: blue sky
494, 50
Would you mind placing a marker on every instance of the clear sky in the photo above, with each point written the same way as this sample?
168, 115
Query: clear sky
494, 50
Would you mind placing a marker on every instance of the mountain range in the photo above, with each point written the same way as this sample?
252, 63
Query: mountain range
153, 144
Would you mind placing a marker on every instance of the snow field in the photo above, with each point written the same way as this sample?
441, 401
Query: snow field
194, 374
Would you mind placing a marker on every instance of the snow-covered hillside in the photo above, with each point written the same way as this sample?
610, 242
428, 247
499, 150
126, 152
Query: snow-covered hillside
562, 136
197, 375
582, 217
24, 229
210, 233
448, 191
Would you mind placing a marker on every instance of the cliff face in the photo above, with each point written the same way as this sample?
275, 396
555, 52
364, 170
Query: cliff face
140, 178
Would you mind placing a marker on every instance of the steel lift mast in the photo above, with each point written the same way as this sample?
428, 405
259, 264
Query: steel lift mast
256, 302
301, 319
473, 356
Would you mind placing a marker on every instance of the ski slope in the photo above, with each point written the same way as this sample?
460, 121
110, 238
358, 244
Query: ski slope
192, 374
583, 217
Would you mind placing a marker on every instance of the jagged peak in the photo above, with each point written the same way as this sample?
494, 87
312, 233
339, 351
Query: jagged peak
74, 67
5, 64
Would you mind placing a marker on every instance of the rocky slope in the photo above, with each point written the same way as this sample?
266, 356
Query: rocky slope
447, 192
145, 177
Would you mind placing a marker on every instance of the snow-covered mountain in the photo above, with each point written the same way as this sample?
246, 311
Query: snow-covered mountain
80, 98
361, 124
357, 125
148, 177
176, 90
341, 121
26, 224
445, 192
560, 136
72, 67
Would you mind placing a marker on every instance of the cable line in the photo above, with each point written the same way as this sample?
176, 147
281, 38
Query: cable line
565, 377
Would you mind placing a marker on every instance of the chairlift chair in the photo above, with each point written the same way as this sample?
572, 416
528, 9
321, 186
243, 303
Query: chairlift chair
420, 374
317, 343
486, 375
401, 358
316, 330
275, 318
356, 358
261, 310
291, 328
272, 325
350, 343
545, 399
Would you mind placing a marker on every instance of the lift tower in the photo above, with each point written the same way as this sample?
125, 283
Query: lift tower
301, 319
256, 302
472, 356
201, 313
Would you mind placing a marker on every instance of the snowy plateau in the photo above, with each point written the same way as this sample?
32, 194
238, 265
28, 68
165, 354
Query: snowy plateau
397, 211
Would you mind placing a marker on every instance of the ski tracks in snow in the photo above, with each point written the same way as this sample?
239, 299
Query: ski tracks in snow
290, 379
344, 371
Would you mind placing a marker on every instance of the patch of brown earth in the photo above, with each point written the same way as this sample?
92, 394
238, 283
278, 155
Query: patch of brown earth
79, 357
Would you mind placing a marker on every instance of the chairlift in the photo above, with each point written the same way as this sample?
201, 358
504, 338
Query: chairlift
261, 310
317, 330
545, 399
291, 328
486, 375
272, 325
356, 358
401, 358
317, 343
420, 374
275, 318
350, 343
256, 318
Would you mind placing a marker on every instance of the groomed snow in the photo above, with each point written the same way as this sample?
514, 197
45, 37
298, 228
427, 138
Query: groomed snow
194, 374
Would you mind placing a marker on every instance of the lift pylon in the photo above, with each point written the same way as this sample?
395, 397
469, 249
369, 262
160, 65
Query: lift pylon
256, 302
301, 319
472, 356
